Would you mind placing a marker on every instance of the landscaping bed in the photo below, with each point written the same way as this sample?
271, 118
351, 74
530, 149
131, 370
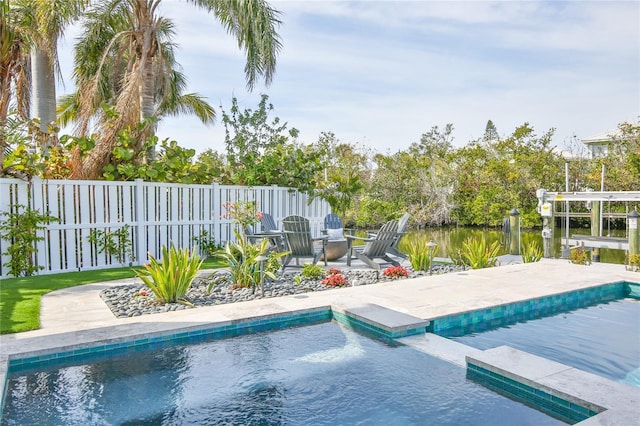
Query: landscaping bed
135, 300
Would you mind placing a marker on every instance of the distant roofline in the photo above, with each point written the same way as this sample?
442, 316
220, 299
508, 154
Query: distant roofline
602, 137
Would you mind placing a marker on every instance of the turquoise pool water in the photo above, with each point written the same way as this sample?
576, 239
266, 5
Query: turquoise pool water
603, 339
320, 374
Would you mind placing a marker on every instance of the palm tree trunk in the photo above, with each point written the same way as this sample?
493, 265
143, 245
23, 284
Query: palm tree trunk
5, 99
44, 91
147, 99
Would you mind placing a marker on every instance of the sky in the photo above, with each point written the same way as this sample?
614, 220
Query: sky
382, 73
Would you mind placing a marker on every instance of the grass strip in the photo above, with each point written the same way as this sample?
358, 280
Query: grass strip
20, 297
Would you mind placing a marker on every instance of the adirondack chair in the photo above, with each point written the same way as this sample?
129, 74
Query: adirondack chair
268, 229
402, 229
267, 223
275, 238
333, 227
300, 243
374, 248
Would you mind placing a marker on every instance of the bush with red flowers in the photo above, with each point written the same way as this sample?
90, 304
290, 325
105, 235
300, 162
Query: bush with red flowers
333, 271
334, 278
395, 272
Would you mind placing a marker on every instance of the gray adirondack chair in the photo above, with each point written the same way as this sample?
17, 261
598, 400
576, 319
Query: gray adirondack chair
269, 230
300, 243
267, 224
374, 248
402, 229
333, 221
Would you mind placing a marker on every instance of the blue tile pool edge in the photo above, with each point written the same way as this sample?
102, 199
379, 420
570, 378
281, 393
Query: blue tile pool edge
155, 339
17, 362
538, 396
457, 324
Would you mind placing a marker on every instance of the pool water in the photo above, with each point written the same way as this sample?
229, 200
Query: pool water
603, 339
321, 374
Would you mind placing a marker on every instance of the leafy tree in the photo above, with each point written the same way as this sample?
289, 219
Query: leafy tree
490, 132
21, 157
173, 163
345, 166
418, 181
494, 177
259, 151
435, 143
214, 165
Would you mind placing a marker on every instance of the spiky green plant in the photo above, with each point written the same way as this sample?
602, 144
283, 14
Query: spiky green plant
478, 254
531, 253
243, 266
455, 255
420, 253
170, 278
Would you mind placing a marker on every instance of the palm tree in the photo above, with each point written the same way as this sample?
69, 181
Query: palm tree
15, 44
50, 20
29, 30
126, 59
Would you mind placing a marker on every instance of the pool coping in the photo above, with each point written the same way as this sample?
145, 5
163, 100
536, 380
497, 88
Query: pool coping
531, 378
420, 299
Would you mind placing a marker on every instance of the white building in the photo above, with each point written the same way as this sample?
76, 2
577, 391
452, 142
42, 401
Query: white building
599, 145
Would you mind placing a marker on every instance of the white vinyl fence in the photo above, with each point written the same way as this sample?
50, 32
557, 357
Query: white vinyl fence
154, 214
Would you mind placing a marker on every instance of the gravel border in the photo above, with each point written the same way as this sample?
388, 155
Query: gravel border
136, 299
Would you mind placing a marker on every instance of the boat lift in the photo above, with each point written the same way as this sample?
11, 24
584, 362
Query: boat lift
545, 208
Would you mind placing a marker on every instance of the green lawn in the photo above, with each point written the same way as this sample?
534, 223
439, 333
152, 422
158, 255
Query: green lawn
20, 297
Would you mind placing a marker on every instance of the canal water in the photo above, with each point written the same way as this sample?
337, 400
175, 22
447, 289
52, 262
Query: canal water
447, 237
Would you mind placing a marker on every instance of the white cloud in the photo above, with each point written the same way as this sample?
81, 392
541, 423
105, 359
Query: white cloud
383, 72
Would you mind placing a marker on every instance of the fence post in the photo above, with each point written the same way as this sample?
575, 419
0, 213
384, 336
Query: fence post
141, 223
36, 202
634, 232
596, 227
215, 219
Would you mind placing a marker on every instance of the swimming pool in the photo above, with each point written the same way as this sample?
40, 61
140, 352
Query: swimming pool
603, 339
317, 374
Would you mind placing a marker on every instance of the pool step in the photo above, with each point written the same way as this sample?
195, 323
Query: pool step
380, 321
573, 393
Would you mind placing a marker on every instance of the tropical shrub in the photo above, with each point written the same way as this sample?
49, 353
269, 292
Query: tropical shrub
20, 227
170, 278
312, 272
395, 272
243, 214
579, 256
633, 262
244, 268
206, 244
334, 271
420, 252
334, 278
114, 243
477, 254
455, 254
531, 253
